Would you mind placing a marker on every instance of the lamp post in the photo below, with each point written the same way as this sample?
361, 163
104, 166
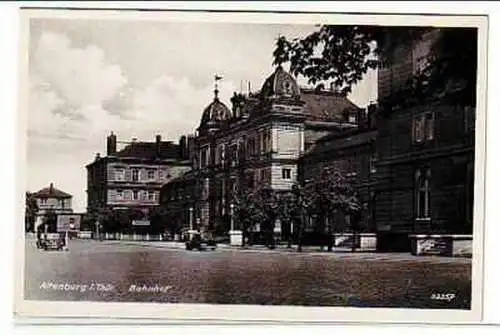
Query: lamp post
297, 191
231, 213
97, 226
191, 218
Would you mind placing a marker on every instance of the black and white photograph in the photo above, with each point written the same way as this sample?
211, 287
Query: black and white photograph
184, 164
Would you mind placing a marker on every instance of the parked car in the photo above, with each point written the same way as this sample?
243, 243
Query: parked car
51, 241
196, 242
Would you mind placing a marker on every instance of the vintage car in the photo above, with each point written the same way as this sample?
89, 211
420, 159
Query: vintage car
197, 242
51, 241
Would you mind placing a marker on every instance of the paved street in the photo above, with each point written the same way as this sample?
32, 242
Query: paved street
159, 272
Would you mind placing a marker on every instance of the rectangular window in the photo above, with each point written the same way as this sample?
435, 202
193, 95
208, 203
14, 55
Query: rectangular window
286, 173
418, 129
61, 203
151, 174
135, 195
219, 158
423, 127
373, 165
206, 186
119, 174
352, 170
135, 175
151, 195
423, 194
234, 154
119, 194
43, 201
429, 126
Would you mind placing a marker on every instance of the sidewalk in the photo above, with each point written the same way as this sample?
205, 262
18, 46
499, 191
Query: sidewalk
341, 254
222, 246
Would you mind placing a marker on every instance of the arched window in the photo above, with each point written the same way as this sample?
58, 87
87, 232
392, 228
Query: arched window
220, 156
422, 204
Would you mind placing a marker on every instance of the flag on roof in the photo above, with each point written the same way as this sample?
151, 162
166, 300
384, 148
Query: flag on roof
217, 77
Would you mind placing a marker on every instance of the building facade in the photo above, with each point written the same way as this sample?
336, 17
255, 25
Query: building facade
131, 178
425, 178
51, 200
258, 142
353, 153
177, 198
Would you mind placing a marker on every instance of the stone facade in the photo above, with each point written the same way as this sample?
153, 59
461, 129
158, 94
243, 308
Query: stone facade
425, 170
131, 178
258, 142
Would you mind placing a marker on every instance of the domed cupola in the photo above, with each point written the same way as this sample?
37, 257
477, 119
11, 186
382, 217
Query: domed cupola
280, 84
215, 113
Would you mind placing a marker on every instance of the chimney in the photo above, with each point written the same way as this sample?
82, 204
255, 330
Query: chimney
183, 147
97, 156
190, 147
111, 144
157, 145
361, 118
51, 187
372, 115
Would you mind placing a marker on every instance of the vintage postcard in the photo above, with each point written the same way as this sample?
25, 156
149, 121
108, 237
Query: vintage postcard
251, 166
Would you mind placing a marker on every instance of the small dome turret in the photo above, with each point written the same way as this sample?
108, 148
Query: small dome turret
214, 113
280, 84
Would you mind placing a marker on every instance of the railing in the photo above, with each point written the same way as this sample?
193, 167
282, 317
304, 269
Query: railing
122, 237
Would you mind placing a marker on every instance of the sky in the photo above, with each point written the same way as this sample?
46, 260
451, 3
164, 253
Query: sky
137, 79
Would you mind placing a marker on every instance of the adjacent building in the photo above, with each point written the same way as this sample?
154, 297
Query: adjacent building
51, 200
256, 142
131, 178
353, 152
424, 180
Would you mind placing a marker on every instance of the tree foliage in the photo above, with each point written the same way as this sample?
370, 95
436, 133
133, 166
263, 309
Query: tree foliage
31, 208
248, 209
50, 221
257, 206
342, 55
329, 192
326, 194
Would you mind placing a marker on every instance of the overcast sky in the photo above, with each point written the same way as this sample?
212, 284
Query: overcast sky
138, 79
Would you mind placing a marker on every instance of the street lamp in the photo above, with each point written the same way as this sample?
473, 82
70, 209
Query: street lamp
231, 213
191, 218
297, 191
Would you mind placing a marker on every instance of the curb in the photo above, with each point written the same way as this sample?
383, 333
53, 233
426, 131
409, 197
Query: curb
342, 254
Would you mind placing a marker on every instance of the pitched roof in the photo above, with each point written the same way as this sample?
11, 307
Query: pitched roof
326, 105
336, 142
51, 192
147, 150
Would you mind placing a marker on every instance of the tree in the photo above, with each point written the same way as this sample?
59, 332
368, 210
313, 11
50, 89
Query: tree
256, 206
342, 55
328, 193
50, 221
286, 208
247, 210
31, 208
159, 221
269, 205
302, 202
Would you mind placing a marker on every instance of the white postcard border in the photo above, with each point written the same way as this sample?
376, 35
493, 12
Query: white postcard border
187, 312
